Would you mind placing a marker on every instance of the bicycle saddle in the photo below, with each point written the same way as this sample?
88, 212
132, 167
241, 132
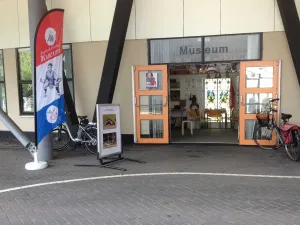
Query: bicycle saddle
286, 116
82, 117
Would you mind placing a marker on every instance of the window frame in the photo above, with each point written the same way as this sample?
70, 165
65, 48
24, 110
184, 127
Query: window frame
22, 82
70, 46
3, 81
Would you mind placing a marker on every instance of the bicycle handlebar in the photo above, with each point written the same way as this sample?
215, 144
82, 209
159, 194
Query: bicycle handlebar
271, 101
275, 100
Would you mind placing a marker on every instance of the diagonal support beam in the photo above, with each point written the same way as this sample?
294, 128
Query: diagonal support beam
69, 102
114, 52
291, 23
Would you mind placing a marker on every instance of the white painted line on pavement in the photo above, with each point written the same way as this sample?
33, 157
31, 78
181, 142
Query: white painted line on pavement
146, 174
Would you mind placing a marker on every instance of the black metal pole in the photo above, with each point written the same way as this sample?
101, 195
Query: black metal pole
291, 23
114, 52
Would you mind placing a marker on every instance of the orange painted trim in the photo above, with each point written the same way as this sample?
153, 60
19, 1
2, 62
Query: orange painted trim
165, 112
244, 91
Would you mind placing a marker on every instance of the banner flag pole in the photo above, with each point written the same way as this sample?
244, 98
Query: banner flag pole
48, 77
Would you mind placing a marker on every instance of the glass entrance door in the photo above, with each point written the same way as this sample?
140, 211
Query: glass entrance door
258, 84
151, 104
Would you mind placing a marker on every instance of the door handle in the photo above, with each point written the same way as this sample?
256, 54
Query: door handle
166, 101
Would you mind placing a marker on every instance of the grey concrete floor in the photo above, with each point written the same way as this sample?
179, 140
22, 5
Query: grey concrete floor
157, 199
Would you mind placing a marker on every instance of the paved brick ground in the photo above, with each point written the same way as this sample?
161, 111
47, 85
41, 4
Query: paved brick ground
171, 199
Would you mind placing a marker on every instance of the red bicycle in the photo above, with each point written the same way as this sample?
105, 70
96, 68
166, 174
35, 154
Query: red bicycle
287, 134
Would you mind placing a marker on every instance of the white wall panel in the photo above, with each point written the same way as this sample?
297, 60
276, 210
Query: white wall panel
245, 16
202, 17
102, 12
77, 19
278, 20
23, 23
131, 25
159, 18
9, 24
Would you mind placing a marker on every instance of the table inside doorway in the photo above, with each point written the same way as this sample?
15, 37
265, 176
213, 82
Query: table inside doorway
223, 111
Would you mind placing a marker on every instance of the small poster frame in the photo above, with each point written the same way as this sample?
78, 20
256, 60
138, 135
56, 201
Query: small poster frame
109, 130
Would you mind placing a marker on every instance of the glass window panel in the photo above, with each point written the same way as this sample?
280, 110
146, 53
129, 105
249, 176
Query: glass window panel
150, 80
25, 65
3, 97
178, 50
258, 103
249, 129
68, 67
211, 91
151, 105
224, 94
27, 96
152, 129
1, 67
233, 47
70, 83
259, 77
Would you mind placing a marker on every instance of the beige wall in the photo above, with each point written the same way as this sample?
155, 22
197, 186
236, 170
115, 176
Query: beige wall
276, 48
90, 20
88, 60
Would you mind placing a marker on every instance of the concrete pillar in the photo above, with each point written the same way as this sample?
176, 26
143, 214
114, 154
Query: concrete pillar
36, 10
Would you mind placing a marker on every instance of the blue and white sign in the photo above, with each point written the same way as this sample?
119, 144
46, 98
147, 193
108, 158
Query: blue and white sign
49, 92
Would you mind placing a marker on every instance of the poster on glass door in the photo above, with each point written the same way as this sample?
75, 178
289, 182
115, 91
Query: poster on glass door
151, 80
109, 130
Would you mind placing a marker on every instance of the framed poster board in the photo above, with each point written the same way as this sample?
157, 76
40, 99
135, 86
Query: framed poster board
109, 130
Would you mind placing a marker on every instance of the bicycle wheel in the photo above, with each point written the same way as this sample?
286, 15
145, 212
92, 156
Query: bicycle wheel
61, 139
293, 149
91, 147
264, 133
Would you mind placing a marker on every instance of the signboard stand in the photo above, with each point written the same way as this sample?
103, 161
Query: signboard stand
109, 137
111, 160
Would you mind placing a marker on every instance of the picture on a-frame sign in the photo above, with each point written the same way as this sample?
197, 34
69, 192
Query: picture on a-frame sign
109, 130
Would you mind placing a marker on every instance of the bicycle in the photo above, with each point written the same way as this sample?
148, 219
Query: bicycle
86, 134
287, 134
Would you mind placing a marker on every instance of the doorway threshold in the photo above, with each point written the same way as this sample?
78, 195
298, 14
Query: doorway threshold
206, 143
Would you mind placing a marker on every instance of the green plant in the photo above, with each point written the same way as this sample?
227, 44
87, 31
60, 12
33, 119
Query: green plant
1, 66
2, 78
203, 124
26, 72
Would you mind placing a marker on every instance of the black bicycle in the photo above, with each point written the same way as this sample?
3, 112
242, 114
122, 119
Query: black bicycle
86, 134
287, 134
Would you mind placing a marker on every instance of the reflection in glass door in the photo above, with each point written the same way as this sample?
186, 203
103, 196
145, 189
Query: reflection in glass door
151, 104
258, 85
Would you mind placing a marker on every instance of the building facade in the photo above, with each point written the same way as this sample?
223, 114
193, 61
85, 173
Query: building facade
86, 32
